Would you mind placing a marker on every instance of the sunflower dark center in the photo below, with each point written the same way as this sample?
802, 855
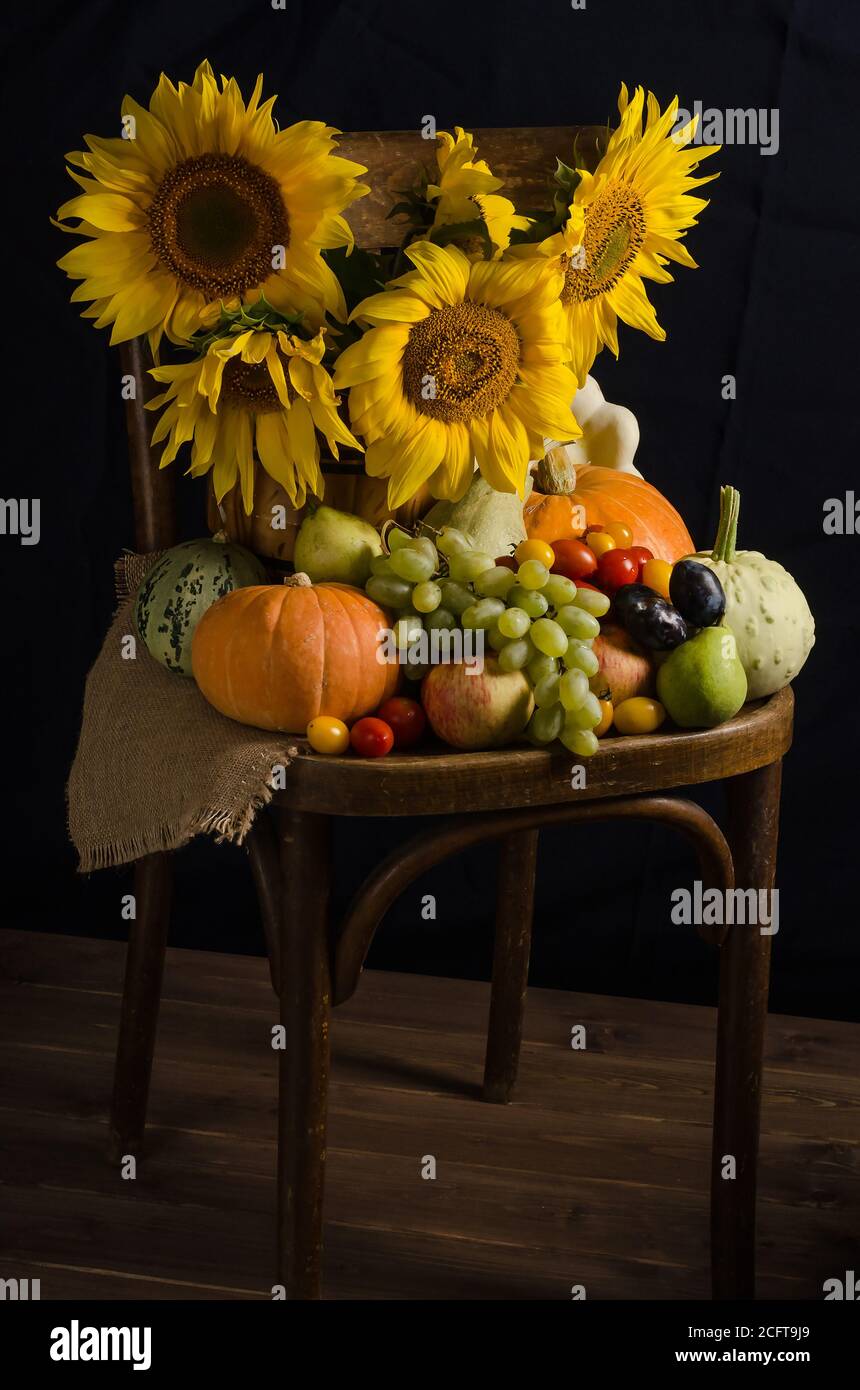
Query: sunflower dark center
250, 386
215, 222
460, 362
614, 231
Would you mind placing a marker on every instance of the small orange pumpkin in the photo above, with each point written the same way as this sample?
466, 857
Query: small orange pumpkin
288, 652
574, 498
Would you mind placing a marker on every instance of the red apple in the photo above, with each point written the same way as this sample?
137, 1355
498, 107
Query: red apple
628, 668
486, 709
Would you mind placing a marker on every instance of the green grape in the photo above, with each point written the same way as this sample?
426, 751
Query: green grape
529, 600
496, 582
515, 655
407, 629
452, 542
480, 614
592, 601
440, 620
514, 622
426, 597
540, 667
397, 539
547, 636
546, 724
425, 546
546, 691
497, 639
591, 709
415, 671
577, 623
412, 564
558, 590
532, 574
456, 597
488, 611
469, 564
573, 689
582, 742
389, 591
579, 718
381, 564
580, 657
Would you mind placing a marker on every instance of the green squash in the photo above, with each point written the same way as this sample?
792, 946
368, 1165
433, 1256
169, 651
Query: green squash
765, 608
178, 590
492, 520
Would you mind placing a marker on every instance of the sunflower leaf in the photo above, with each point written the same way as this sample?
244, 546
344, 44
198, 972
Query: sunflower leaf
455, 231
359, 274
566, 177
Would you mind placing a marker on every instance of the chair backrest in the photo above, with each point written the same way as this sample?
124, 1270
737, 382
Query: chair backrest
523, 157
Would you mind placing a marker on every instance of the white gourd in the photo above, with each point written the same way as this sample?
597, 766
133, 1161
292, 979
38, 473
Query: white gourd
765, 608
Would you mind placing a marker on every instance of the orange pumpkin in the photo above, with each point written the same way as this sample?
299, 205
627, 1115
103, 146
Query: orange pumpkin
589, 495
288, 652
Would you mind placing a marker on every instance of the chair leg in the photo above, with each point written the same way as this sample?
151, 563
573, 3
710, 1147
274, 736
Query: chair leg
514, 909
144, 967
742, 1018
305, 999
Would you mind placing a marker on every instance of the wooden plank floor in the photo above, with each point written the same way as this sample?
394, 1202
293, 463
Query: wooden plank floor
597, 1173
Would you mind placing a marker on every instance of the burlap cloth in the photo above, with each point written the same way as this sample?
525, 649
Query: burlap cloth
156, 765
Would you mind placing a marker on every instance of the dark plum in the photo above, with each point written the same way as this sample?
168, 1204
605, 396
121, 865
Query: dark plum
656, 624
697, 593
630, 597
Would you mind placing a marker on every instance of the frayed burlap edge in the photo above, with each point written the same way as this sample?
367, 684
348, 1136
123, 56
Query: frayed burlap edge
156, 765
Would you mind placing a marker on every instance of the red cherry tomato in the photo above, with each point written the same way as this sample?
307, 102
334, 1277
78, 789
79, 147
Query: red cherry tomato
405, 718
371, 738
574, 560
616, 567
640, 553
584, 584
507, 562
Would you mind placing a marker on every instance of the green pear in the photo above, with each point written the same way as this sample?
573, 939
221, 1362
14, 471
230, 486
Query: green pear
336, 546
702, 683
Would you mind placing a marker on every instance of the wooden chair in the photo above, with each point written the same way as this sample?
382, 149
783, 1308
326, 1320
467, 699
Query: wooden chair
506, 796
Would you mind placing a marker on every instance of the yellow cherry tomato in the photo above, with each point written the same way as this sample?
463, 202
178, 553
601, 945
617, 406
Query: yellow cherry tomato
325, 734
600, 541
656, 574
621, 534
606, 714
639, 715
535, 550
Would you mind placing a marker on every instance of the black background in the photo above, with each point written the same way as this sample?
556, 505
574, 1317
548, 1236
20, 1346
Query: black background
774, 303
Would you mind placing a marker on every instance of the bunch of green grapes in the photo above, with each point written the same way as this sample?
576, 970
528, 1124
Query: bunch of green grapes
410, 581
536, 622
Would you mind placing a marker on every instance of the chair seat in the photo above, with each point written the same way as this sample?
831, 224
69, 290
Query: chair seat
436, 781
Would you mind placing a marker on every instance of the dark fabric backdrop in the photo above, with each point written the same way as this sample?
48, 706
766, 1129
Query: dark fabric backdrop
774, 303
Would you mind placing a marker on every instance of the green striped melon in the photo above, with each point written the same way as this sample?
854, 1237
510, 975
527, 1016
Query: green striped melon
178, 590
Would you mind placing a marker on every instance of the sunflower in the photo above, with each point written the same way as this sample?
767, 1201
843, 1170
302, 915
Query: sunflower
464, 361
257, 388
466, 191
208, 202
626, 222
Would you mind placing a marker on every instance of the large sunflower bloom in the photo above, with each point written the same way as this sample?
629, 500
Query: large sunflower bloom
466, 191
258, 388
208, 202
627, 219
465, 362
